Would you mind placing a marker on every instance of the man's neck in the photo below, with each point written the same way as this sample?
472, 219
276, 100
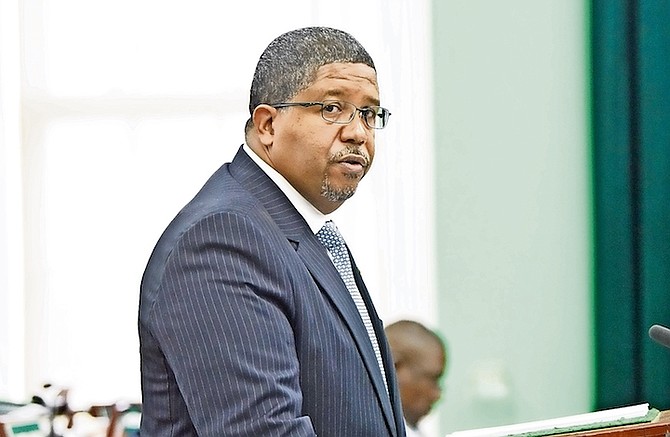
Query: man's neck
314, 218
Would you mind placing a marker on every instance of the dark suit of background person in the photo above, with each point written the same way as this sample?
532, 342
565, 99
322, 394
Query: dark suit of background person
246, 327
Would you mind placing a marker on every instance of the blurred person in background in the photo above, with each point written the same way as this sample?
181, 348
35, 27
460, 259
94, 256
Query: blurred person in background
420, 359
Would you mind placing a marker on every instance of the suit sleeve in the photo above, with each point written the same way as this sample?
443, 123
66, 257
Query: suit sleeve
223, 321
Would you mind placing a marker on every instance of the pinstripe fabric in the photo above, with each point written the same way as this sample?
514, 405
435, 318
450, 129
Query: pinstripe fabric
246, 328
330, 237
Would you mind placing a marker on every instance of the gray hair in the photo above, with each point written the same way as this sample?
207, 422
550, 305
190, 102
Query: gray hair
289, 64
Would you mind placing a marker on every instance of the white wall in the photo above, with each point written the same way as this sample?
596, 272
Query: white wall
11, 230
514, 208
126, 108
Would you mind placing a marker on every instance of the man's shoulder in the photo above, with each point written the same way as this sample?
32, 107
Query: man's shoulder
221, 194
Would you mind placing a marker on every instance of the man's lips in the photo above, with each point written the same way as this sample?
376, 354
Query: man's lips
353, 162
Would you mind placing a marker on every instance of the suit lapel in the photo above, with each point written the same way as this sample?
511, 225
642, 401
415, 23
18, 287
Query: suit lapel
315, 257
389, 367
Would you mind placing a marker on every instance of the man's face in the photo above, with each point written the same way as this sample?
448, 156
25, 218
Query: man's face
419, 382
325, 161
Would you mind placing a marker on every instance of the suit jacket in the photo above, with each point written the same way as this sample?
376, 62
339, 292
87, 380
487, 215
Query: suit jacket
246, 328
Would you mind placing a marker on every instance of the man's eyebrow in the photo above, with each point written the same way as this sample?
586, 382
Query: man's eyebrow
337, 94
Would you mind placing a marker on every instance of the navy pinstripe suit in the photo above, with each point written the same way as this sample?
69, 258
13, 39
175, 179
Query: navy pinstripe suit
246, 328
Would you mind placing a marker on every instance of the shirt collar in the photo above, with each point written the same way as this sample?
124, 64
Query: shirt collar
314, 218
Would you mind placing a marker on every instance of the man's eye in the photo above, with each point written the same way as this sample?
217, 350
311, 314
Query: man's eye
332, 108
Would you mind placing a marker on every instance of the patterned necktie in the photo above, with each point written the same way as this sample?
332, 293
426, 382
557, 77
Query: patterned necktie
330, 237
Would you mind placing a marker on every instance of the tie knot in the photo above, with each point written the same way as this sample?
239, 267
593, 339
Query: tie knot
330, 237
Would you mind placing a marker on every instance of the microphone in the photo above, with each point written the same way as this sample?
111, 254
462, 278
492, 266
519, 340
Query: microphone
660, 334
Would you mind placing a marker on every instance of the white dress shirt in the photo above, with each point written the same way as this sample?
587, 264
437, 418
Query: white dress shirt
412, 432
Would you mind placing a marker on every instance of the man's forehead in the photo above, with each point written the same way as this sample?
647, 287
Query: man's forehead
344, 80
348, 71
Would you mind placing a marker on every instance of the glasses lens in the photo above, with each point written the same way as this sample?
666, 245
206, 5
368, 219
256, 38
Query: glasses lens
377, 117
337, 112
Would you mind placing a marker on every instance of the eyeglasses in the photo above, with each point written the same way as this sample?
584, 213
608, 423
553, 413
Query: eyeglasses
339, 112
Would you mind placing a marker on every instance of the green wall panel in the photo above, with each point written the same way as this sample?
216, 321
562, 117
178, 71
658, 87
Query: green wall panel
654, 63
631, 115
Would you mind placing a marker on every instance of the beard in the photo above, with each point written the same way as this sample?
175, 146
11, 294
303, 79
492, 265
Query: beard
335, 194
340, 194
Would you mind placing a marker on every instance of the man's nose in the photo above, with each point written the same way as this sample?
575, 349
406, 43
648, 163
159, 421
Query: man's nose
356, 131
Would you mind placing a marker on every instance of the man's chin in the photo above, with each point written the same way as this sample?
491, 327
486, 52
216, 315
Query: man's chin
338, 194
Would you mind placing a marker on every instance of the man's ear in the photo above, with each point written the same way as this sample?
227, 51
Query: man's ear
263, 118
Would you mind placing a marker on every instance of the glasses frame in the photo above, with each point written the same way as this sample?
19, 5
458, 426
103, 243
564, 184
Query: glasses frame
361, 111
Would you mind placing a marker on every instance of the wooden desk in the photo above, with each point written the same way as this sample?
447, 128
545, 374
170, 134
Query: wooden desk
659, 427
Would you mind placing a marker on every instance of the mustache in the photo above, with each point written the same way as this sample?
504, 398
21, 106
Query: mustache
348, 153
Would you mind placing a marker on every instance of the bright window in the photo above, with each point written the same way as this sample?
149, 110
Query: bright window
126, 108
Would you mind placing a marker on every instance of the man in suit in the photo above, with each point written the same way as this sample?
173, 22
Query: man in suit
420, 359
251, 323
